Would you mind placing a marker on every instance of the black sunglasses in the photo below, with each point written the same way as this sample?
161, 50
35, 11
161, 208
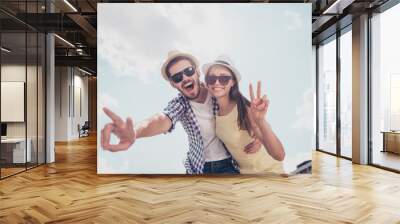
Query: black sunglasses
178, 77
223, 79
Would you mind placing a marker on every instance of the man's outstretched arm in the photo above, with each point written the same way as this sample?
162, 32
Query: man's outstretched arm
154, 125
128, 133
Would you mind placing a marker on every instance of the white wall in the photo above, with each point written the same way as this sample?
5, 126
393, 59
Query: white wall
16, 73
80, 110
61, 103
70, 83
33, 126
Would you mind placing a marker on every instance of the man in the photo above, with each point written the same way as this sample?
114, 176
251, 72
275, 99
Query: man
194, 108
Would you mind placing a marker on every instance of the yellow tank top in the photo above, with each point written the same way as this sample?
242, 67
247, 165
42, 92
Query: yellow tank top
235, 140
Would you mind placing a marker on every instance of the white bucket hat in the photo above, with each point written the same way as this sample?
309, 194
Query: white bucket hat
225, 61
171, 56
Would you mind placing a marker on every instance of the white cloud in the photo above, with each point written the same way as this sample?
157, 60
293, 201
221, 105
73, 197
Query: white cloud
106, 100
111, 162
305, 112
134, 42
296, 20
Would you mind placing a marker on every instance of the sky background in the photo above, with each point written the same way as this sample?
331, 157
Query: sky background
267, 42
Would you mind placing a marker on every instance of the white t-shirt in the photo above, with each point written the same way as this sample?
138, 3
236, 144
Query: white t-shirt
213, 148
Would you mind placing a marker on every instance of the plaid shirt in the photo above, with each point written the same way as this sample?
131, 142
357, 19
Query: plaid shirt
179, 109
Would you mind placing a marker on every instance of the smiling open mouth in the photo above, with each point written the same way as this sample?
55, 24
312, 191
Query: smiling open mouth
189, 85
218, 89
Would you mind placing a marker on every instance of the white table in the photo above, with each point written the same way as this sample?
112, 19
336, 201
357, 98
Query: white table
18, 144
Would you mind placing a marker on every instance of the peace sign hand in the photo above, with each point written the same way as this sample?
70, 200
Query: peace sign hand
258, 105
123, 130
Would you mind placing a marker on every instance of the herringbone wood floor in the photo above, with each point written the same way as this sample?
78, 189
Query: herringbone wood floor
70, 191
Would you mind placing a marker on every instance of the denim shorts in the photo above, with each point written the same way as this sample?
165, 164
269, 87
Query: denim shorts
221, 166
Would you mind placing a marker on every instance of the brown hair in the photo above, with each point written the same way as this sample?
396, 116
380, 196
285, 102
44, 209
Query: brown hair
176, 60
241, 102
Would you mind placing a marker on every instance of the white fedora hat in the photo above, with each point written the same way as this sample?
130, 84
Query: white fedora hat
225, 61
171, 56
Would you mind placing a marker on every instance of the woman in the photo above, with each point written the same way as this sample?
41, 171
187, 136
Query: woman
239, 120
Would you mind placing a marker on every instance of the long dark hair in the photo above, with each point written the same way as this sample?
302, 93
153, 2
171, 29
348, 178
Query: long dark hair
242, 103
